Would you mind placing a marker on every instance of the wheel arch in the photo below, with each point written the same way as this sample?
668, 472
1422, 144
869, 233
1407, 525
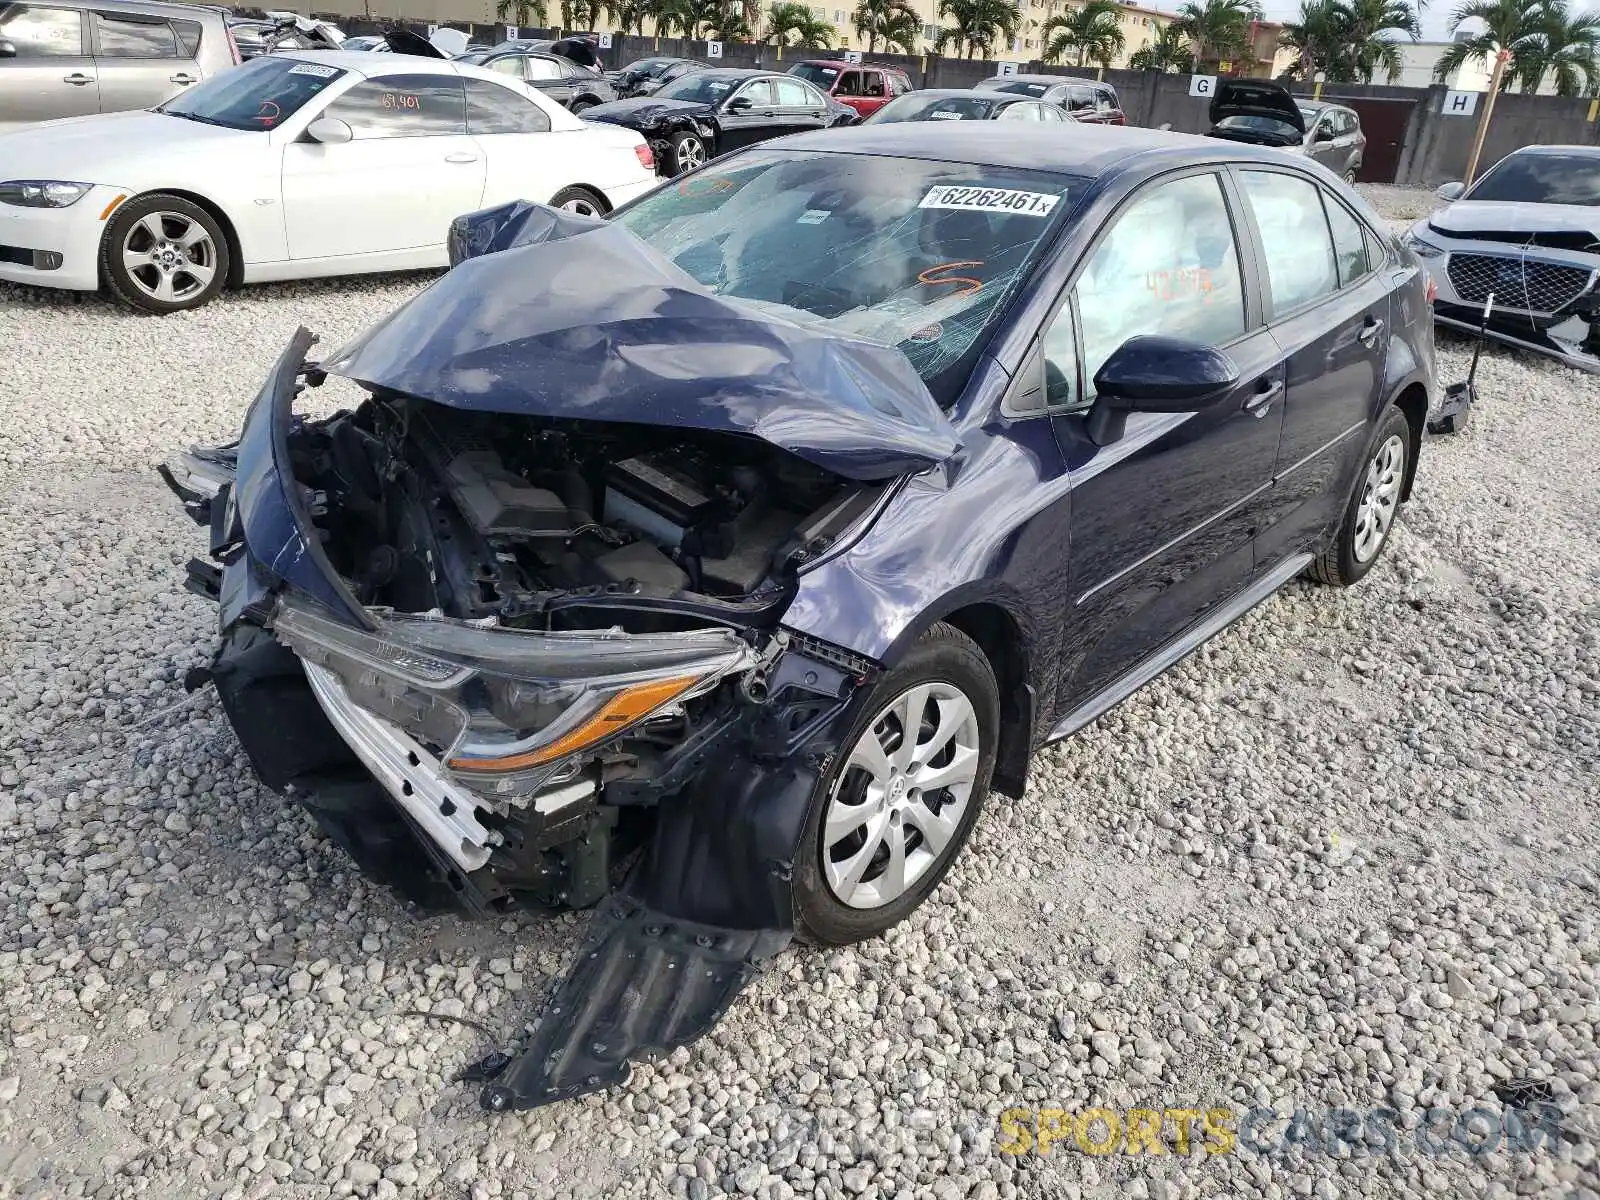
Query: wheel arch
1001, 628
598, 193
212, 208
1412, 400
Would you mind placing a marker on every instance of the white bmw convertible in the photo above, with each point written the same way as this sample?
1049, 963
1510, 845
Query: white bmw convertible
294, 166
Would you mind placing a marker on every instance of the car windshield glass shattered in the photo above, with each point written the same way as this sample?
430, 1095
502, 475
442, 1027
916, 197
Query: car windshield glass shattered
939, 108
1542, 179
906, 252
259, 95
701, 89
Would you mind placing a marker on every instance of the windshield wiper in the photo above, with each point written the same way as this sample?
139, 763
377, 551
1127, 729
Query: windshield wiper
189, 116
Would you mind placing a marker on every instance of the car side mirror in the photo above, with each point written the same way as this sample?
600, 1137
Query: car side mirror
8, 50
1155, 374
741, 104
330, 131
1450, 191
1323, 134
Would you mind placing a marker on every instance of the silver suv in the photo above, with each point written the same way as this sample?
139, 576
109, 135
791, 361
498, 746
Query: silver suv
69, 58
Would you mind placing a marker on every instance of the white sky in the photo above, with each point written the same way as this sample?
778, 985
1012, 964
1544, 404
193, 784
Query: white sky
1435, 18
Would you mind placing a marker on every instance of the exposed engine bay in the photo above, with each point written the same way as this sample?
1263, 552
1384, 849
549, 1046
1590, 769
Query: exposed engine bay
482, 515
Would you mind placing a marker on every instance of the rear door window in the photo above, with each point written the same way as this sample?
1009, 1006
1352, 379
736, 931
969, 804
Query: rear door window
39, 32
188, 36
396, 106
1294, 238
1104, 100
492, 108
122, 35
872, 83
541, 69
1080, 99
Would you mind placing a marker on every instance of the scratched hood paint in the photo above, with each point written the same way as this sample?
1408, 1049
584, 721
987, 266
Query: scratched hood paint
549, 314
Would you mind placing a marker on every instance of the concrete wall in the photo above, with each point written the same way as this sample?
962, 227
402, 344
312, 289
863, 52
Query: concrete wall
1434, 147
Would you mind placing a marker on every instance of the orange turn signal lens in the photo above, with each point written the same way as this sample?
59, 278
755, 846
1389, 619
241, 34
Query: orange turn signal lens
112, 207
617, 713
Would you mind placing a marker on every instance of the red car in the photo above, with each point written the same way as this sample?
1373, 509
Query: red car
865, 87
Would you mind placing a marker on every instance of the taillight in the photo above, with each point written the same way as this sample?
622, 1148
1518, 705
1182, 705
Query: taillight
647, 159
1433, 288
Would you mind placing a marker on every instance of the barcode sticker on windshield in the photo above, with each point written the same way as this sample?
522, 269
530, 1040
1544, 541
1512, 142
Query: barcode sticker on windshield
812, 216
944, 116
316, 69
981, 199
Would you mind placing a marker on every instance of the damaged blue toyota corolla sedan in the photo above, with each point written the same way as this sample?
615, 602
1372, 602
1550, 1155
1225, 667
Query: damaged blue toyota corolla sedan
708, 566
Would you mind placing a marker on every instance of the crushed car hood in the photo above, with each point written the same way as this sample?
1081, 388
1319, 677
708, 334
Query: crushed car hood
549, 314
644, 111
1256, 98
1466, 217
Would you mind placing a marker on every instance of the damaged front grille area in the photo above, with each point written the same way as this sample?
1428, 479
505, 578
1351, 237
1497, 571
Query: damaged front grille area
1517, 282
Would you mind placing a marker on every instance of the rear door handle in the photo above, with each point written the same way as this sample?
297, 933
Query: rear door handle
77, 79
461, 156
185, 78
1370, 331
1265, 394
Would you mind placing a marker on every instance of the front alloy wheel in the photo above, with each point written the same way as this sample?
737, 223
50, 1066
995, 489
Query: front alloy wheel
906, 788
688, 153
164, 254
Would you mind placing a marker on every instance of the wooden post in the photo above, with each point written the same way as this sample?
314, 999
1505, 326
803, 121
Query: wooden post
1500, 61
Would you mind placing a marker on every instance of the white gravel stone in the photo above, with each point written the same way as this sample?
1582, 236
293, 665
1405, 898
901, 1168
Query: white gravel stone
1342, 857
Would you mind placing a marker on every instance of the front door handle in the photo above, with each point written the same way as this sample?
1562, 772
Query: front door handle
1265, 394
1370, 330
77, 79
461, 156
185, 78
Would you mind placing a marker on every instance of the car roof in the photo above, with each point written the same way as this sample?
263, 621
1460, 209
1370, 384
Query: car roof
365, 63
736, 72
1564, 151
1094, 151
970, 93
1052, 79
157, 8
842, 65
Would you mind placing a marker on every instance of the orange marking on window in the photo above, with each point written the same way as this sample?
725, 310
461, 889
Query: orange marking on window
704, 186
969, 286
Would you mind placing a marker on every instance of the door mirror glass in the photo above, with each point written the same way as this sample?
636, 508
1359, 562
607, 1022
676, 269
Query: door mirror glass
7, 50
330, 131
1450, 191
740, 104
1324, 133
1152, 373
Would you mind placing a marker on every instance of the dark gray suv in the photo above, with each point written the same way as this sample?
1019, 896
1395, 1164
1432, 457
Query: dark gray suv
70, 58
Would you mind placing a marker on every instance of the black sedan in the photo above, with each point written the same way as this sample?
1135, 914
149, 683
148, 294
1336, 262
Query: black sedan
563, 80
712, 112
956, 104
649, 75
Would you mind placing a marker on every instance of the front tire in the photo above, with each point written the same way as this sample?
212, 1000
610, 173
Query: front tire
895, 810
1369, 517
164, 254
688, 153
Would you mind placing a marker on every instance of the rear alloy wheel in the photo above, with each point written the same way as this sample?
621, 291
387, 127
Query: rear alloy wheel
904, 793
164, 254
688, 153
1350, 177
1370, 515
579, 200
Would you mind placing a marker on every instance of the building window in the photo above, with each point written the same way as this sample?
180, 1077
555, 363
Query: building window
930, 32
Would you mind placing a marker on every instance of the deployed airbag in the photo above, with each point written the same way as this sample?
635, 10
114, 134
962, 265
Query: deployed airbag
553, 315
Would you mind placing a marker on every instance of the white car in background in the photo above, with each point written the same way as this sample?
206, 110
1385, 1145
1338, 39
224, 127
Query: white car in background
294, 166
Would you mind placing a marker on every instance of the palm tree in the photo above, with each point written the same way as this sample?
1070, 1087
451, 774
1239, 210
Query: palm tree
722, 20
530, 14
675, 16
978, 25
872, 19
902, 30
1314, 38
1169, 52
797, 19
1095, 31
1367, 38
1565, 48
632, 14
1218, 29
1511, 25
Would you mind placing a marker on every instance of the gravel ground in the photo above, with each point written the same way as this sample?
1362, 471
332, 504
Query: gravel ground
1344, 856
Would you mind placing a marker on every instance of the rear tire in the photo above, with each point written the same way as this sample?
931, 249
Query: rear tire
1374, 506
580, 200
579, 106
876, 844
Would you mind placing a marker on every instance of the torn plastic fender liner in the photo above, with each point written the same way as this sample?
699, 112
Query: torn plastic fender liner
706, 905
579, 319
